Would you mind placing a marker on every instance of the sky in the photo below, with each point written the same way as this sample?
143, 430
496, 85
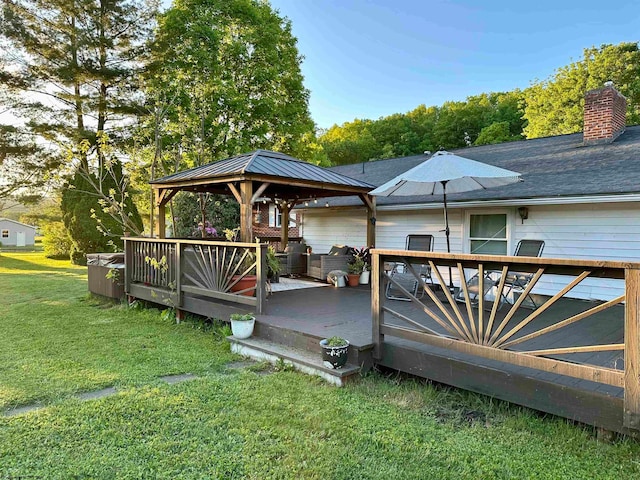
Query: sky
372, 58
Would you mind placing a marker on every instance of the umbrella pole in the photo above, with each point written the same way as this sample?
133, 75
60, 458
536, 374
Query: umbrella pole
446, 228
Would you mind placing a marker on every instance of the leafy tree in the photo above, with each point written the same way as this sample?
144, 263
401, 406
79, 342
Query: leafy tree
232, 71
220, 212
497, 132
69, 71
555, 106
224, 78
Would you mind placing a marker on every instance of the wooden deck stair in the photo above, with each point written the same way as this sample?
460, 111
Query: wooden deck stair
302, 351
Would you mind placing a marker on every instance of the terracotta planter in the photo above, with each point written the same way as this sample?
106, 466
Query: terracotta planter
353, 279
244, 283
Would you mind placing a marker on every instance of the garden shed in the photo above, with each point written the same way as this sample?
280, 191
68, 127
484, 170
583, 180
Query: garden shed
16, 234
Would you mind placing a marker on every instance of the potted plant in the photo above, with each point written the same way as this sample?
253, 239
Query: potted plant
273, 265
334, 352
242, 324
364, 254
354, 268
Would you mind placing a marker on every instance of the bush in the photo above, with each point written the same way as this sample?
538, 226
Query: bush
56, 241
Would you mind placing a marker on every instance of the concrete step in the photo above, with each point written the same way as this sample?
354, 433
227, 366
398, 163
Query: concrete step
358, 354
307, 362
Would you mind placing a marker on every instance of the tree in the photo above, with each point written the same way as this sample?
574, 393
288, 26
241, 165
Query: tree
555, 106
233, 70
69, 71
224, 77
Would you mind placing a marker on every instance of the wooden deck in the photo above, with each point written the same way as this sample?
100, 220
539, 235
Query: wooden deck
322, 312
574, 358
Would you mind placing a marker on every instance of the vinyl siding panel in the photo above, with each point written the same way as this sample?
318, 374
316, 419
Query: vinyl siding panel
591, 232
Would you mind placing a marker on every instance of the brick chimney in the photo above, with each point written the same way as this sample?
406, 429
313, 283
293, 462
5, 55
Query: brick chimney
604, 115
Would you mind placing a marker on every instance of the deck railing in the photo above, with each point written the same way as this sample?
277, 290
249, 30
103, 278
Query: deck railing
169, 269
596, 341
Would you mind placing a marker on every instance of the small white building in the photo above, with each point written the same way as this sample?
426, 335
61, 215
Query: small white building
16, 234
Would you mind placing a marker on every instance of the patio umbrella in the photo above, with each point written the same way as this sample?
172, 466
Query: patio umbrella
446, 173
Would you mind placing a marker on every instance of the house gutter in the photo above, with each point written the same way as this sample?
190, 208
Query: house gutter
631, 198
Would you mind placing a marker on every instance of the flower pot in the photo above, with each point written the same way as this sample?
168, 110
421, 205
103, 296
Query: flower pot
334, 357
242, 328
244, 283
364, 277
353, 279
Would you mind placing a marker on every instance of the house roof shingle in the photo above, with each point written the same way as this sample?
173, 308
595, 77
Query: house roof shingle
558, 166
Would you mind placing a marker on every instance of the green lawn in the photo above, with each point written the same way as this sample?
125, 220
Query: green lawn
240, 424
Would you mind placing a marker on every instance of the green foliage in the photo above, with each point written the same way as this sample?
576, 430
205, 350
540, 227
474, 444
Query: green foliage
336, 341
227, 75
242, 317
273, 262
229, 424
452, 125
555, 106
221, 212
497, 132
89, 223
356, 265
56, 240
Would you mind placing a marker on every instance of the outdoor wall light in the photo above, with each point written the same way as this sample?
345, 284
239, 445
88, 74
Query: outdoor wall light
306, 204
524, 213
326, 204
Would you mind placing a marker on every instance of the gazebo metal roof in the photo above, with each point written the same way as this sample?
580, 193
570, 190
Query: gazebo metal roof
260, 174
262, 163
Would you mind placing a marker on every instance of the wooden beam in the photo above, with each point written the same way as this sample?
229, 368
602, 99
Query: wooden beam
583, 349
162, 227
235, 192
631, 417
370, 201
164, 195
284, 225
259, 191
246, 211
607, 376
377, 304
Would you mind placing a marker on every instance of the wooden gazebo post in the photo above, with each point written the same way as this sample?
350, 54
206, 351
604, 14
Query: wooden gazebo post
246, 211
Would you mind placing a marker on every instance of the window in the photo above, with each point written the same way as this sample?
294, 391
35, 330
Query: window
488, 234
5, 233
275, 217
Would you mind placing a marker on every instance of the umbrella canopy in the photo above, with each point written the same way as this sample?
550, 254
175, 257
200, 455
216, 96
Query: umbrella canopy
444, 173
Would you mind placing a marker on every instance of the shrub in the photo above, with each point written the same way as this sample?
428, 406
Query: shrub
56, 241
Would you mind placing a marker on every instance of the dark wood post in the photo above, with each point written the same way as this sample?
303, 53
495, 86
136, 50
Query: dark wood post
128, 265
261, 272
371, 221
162, 228
631, 417
377, 299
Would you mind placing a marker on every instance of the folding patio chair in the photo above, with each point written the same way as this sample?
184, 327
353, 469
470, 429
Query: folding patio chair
514, 281
402, 274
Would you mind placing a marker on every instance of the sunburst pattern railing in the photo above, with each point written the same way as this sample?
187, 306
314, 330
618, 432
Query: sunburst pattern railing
219, 270
497, 310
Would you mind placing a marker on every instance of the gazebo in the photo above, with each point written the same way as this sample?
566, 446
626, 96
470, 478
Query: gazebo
264, 174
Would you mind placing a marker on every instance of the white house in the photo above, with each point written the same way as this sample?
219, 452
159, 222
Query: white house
16, 234
580, 194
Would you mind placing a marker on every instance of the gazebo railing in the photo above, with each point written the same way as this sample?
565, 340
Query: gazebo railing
175, 272
557, 334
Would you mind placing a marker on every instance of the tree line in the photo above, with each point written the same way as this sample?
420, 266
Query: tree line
97, 97
548, 107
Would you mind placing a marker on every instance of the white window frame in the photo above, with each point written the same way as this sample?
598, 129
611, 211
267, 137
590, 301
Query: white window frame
5, 233
275, 217
493, 211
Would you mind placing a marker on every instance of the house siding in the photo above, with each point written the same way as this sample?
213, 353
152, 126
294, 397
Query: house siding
589, 231
14, 228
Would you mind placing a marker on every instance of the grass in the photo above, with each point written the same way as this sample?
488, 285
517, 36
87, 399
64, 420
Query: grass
241, 424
